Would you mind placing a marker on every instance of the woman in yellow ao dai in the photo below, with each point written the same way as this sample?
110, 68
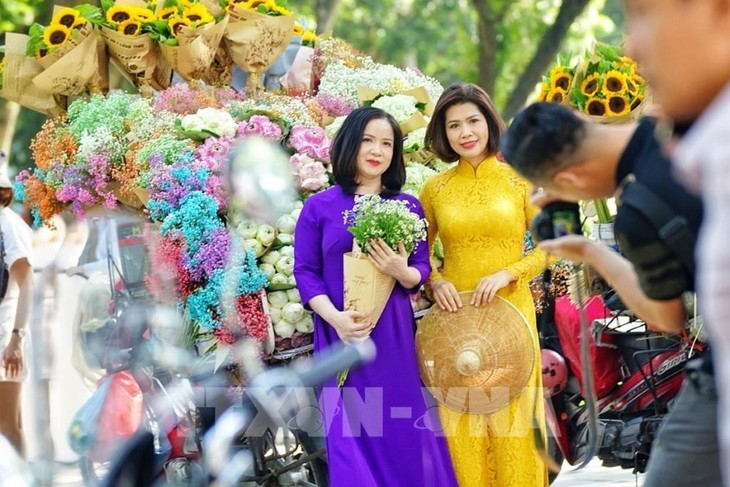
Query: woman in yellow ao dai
480, 210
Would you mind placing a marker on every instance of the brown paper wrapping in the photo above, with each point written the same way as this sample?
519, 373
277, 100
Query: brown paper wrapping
421, 156
138, 58
365, 94
255, 40
77, 70
580, 72
20, 70
415, 122
366, 288
196, 49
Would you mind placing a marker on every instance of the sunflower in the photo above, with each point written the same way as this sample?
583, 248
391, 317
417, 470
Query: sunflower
638, 79
167, 13
68, 17
596, 106
637, 102
119, 13
589, 86
254, 4
143, 14
309, 37
56, 35
298, 29
542, 96
617, 106
279, 10
41, 52
129, 27
177, 23
555, 95
198, 14
631, 87
614, 83
560, 77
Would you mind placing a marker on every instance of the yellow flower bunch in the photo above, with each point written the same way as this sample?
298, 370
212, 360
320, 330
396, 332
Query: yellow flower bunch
128, 20
607, 84
266, 7
64, 25
556, 84
177, 14
309, 37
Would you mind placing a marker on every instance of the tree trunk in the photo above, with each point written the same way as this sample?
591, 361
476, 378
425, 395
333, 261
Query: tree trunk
487, 30
12, 110
544, 54
326, 11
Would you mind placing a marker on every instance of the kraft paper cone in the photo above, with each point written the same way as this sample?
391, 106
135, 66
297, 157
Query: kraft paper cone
52, 57
421, 156
255, 40
138, 59
415, 122
130, 200
72, 73
196, 49
366, 94
20, 70
366, 288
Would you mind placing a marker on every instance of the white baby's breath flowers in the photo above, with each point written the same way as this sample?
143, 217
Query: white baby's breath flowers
401, 107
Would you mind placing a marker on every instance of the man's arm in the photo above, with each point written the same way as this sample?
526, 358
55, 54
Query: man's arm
665, 315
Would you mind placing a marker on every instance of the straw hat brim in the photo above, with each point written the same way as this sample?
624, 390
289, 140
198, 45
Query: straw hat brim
476, 360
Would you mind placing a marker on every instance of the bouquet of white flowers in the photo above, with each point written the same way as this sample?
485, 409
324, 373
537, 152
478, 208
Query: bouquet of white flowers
372, 217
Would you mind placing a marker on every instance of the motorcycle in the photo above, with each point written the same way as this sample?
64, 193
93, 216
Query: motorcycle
637, 373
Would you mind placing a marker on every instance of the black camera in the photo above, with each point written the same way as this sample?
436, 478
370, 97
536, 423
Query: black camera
556, 219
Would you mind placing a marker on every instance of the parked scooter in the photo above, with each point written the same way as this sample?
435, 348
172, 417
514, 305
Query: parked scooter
637, 373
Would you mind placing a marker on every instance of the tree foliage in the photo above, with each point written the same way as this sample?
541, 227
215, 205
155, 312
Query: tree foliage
504, 45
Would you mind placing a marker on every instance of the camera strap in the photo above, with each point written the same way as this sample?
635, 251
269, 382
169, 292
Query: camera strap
672, 228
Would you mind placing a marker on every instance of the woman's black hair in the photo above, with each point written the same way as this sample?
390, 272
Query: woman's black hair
346, 147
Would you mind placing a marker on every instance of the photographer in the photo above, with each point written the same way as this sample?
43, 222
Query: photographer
574, 159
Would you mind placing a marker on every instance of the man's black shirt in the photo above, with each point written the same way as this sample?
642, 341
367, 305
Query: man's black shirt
660, 271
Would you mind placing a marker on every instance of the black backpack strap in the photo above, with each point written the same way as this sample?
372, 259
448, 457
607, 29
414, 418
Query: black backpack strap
672, 228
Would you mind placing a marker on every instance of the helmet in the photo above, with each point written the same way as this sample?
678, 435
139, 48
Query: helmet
554, 372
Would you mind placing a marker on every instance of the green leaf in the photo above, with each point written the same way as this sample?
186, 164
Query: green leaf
92, 13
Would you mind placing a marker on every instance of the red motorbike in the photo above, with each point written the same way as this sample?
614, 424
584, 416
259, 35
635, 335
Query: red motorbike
636, 375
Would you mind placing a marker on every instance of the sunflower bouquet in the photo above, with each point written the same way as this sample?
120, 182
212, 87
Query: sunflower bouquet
189, 36
127, 27
17, 72
608, 85
257, 34
556, 83
69, 51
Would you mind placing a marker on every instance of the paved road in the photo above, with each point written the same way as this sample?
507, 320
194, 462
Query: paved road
595, 474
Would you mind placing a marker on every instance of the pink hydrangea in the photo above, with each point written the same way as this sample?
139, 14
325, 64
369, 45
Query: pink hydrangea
260, 125
298, 160
214, 151
312, 176
312, 141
